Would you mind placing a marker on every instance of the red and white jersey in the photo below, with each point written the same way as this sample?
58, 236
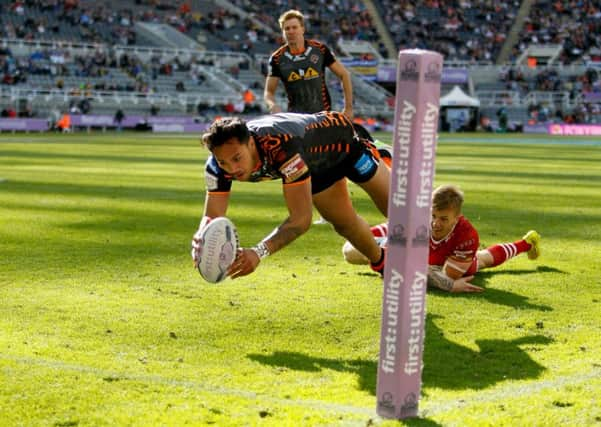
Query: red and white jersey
460, 245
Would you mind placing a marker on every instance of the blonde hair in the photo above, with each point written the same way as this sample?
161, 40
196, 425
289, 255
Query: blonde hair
290, 14
447, 196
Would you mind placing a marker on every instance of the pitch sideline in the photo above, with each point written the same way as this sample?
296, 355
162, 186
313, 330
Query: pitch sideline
428, 409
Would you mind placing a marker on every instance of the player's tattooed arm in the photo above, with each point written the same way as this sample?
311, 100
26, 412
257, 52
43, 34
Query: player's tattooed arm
283, 235
300, 210
437, 278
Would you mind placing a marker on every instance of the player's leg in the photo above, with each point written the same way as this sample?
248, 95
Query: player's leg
353, 256
335, 205
378, 187
485, 259
498, 254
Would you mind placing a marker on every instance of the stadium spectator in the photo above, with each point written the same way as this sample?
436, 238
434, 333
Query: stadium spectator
249, 102
503, 119
9, 112
26, 112
312, 154
119, 117
454, 257
64, 123
301, 66
485, 124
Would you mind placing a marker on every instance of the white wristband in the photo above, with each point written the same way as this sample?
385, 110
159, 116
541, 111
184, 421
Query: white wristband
261, 250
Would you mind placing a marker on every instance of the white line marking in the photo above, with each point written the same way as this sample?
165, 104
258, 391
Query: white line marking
510, 391
427, 409
157, 379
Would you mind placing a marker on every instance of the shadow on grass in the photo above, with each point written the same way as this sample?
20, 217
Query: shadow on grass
503, 297
246, 197
496, 296
540, 269
492, 295
419, 422
447, 364
113, 159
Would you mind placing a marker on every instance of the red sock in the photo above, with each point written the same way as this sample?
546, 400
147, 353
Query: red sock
380, 230
504, 251
378, 267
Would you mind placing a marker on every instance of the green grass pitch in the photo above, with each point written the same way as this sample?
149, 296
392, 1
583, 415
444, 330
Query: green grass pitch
104, 322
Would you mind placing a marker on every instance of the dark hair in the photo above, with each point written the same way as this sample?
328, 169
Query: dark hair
223, 130
447, 196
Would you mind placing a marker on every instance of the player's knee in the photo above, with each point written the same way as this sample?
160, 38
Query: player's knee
485, 259
352, 255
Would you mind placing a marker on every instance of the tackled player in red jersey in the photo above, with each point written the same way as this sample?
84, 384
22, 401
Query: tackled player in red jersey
454, 257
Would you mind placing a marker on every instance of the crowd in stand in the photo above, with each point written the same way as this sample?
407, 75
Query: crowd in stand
470, 30
573, 24
326, 20
101, 65
466, 30
549, 80
92, 21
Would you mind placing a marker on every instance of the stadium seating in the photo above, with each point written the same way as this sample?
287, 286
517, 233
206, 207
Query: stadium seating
576, 28
59, 53
465, 31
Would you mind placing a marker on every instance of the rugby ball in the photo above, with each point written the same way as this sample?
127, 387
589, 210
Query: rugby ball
218, 246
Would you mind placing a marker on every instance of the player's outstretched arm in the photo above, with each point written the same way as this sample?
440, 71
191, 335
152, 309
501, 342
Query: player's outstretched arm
300, 208
437, 278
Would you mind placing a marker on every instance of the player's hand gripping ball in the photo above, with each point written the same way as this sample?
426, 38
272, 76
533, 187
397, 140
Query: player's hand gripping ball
214, 248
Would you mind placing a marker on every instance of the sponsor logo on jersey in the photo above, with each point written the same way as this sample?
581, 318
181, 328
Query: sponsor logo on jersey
293, 77
463, 255
211, 181
466, 244
294, 168
311, 73
364, 164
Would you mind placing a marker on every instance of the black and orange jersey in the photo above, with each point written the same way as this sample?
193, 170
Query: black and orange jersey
295, 147
304, 76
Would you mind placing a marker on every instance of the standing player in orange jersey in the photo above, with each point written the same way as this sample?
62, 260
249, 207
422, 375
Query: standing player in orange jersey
301, 66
